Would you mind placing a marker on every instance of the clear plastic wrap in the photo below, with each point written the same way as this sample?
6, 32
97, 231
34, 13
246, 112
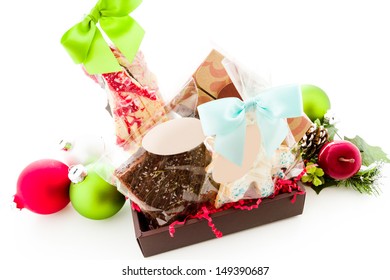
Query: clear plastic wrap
168, 188
256, 180
134, 100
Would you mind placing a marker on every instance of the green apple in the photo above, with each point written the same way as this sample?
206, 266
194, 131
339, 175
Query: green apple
315, 102
93, 197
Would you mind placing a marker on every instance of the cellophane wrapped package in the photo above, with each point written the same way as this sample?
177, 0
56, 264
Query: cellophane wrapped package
256, 179
169, 187
134, 100
106, 42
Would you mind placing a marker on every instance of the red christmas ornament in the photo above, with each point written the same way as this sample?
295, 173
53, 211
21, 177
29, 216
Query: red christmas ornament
340, 159
43, 187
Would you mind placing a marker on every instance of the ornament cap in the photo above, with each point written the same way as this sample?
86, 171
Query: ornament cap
66, 145
77, 173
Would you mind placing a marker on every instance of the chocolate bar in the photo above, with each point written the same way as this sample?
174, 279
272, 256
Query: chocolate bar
167, 188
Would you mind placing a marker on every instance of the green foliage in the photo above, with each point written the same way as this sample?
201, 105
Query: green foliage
328, 182
366, 180
332, 132
331, 128
370, 154
314, 175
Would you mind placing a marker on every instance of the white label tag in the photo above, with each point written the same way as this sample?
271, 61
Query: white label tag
174, 137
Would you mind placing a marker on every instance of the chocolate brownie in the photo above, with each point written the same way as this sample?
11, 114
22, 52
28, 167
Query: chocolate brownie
168, 187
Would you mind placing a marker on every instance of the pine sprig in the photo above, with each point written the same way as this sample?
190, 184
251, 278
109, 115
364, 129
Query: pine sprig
366, 180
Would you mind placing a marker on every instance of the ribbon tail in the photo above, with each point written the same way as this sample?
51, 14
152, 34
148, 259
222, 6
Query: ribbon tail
231, 145
100, 59
279, 103
273, 132
125, 33
225, 118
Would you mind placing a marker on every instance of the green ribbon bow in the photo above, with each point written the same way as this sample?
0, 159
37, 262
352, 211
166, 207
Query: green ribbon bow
85, 43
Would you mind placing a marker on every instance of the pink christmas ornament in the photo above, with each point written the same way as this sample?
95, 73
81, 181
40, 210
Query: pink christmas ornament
43, 187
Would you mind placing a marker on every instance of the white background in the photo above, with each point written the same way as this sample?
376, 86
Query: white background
340, 46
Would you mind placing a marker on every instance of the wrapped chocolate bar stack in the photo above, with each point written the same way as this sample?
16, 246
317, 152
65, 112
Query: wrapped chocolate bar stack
134, 100
132, 91
166, 187
229, 152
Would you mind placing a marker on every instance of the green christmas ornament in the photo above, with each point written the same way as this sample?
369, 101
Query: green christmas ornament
91, 196
315, 102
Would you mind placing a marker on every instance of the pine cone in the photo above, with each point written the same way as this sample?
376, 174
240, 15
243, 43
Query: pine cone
313, 140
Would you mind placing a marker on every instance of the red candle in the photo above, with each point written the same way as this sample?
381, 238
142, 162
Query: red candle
340, 159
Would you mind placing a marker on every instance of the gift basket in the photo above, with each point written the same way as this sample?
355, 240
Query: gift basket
181, 165
227, 153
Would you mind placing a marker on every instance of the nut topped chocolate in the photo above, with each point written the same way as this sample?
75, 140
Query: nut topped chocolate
167, 187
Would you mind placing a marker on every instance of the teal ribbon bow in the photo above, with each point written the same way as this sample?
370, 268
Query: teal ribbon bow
226, 120
85, 43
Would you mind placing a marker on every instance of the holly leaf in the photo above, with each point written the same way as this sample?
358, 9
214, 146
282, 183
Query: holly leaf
319, 188
370, 154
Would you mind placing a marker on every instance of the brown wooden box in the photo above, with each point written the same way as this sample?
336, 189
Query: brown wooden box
157, 241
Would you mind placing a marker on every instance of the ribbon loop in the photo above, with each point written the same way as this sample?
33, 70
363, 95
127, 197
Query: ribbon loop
225, 119
85, 43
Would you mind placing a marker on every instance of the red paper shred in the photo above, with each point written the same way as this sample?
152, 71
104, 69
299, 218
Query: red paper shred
242, 205
206, 215
288, 186
206, 211
172, 226
135, 207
